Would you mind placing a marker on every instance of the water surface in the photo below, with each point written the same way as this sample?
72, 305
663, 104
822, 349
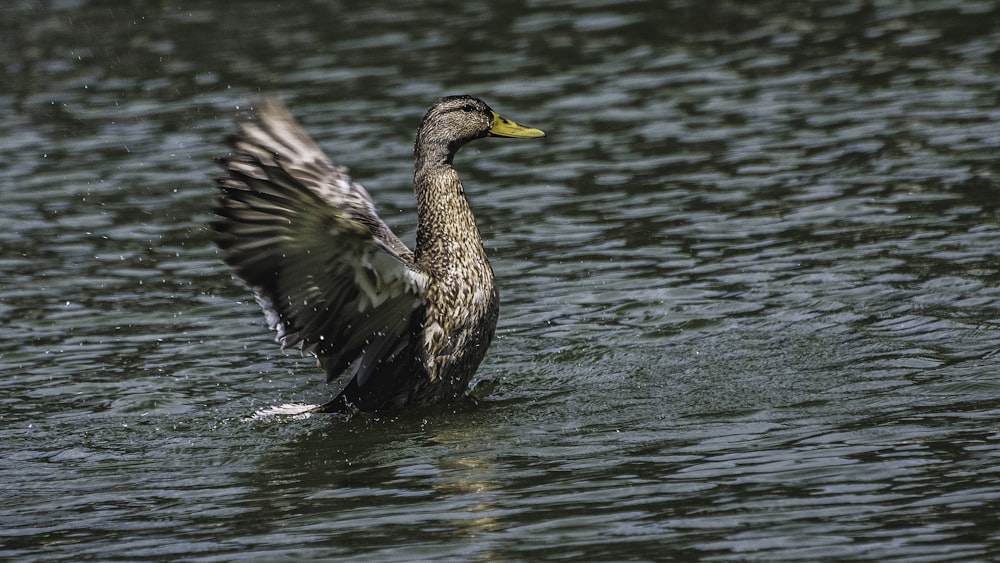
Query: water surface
749, 282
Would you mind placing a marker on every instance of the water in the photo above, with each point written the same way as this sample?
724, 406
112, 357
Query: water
749, 281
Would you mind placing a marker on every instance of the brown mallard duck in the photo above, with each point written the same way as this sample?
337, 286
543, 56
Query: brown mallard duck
402, 327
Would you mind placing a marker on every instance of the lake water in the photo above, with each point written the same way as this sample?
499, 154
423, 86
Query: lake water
750, 292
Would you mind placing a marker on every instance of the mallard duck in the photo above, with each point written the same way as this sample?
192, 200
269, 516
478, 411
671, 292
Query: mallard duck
402, 327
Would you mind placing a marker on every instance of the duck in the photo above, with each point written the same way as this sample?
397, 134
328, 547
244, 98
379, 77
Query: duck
397, 327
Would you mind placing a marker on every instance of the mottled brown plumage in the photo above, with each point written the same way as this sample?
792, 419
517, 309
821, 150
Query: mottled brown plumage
404, 328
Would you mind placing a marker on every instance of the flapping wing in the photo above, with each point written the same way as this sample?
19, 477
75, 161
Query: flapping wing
326, 270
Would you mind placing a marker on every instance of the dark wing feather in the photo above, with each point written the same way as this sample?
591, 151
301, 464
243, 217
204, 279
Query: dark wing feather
325, 269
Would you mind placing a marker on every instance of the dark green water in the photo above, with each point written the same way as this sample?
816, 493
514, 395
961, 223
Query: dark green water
751, 303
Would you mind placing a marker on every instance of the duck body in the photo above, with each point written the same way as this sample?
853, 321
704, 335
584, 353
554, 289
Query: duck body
402, 327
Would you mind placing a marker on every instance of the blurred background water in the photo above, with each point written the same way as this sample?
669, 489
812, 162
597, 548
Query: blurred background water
751, 307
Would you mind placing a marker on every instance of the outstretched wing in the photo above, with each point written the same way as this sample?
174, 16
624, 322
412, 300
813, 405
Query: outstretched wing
326, 270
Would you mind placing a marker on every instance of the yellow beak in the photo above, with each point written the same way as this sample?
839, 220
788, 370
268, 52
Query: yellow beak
503, 127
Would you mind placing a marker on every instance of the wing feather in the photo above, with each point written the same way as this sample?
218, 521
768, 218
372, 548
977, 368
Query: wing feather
326, 270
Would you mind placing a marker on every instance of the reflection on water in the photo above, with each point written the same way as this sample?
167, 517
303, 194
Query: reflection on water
471, 478
750, 308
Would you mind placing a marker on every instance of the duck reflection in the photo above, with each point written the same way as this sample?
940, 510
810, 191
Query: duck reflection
352, 482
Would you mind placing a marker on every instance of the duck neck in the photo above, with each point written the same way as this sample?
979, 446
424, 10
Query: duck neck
447, 234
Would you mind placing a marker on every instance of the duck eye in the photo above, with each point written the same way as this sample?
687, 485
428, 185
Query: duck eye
468, 108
